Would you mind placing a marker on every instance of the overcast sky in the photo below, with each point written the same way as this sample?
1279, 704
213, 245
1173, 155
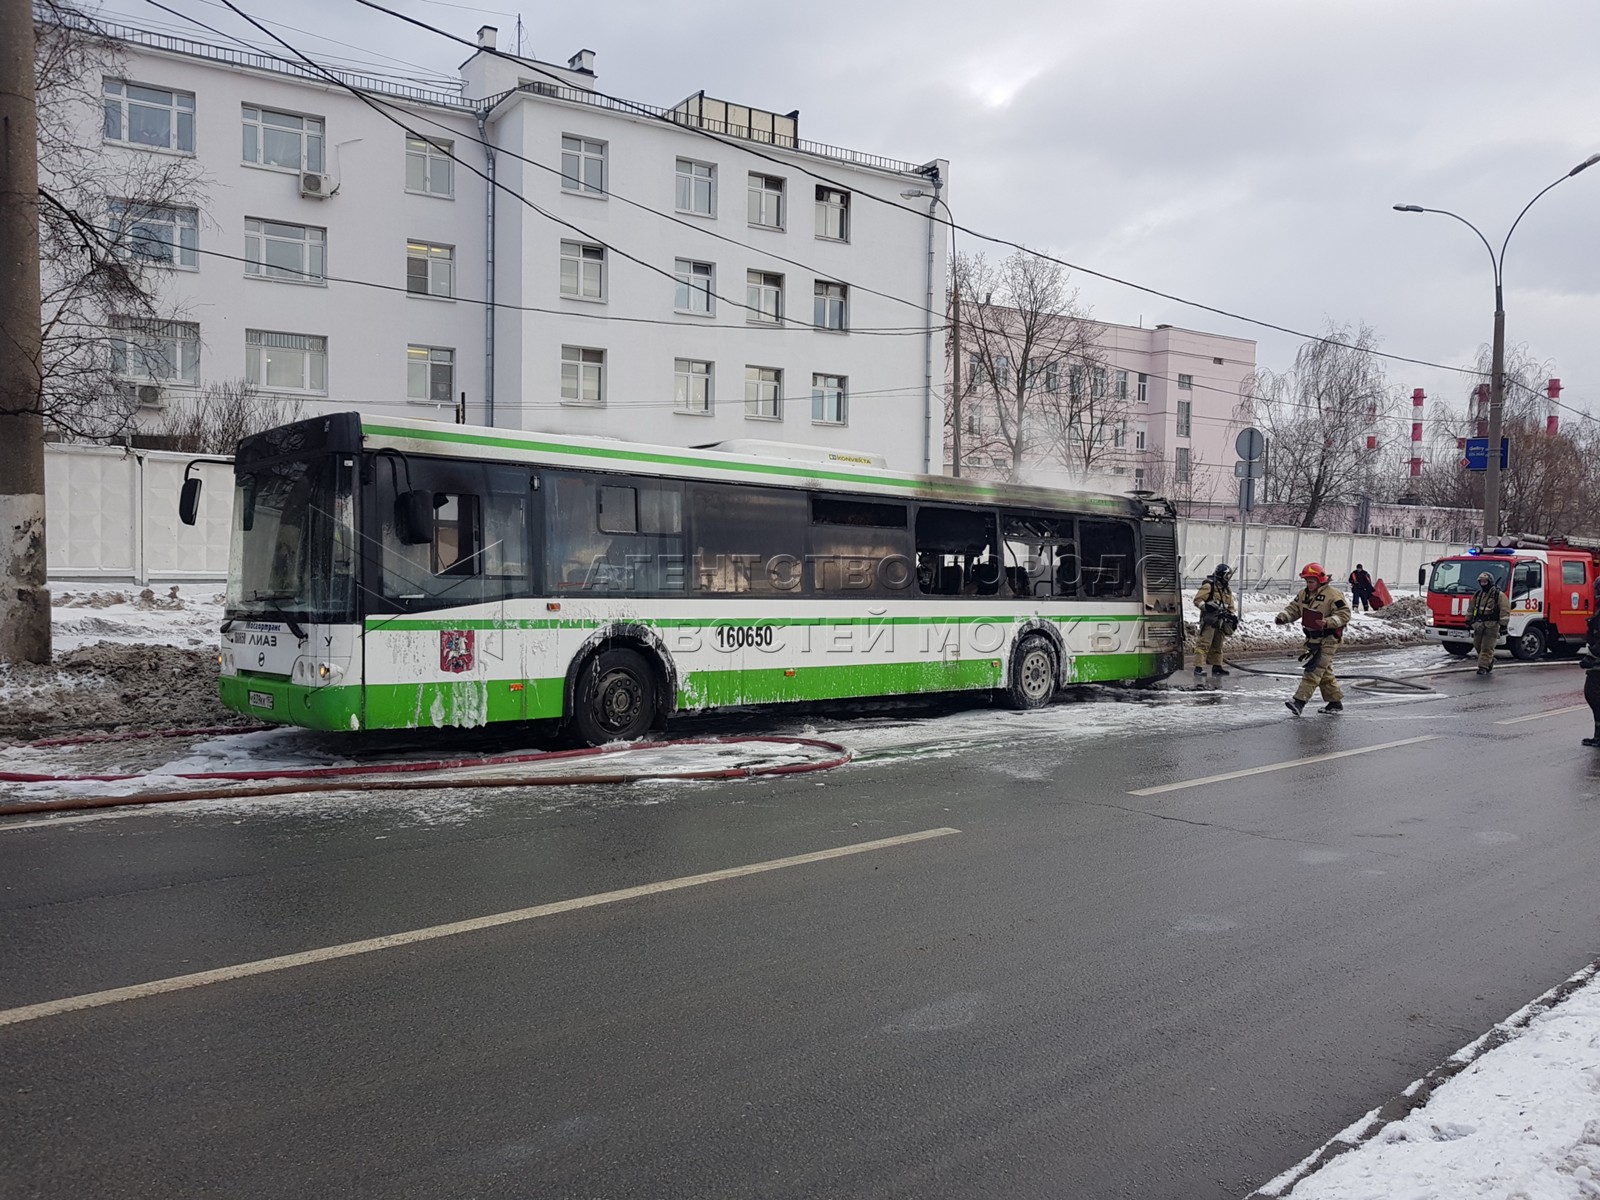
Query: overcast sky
1241, 153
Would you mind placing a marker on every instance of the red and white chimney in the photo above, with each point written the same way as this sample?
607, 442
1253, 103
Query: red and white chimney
1552, 422
1417, 398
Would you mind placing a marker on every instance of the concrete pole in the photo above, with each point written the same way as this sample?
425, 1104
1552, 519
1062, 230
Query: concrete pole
1497, 396
24, 590
955, 357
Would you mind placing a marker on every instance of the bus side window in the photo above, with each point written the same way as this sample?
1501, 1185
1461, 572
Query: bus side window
1107, 551
457, 534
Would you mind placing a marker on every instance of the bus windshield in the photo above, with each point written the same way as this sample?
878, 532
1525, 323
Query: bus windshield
293, 551
1459, 576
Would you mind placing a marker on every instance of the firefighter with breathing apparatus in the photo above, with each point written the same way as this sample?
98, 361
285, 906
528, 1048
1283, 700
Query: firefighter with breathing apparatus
1488, 619
1218, 620
1323, 614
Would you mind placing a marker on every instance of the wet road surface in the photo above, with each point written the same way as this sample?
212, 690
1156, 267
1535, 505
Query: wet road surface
1084, 992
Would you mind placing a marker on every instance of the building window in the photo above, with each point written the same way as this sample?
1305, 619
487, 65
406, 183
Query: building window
1144, 388
977, 372
1141, 436
286, 362
1119, 435
1075, 383
1185, 382
279, 139
1182, 467
1122, 385
583, 271
763, 393
829, 305
766, 201
430, 170
165, 237
1052, 378
691, 386
828, 393
583, 165
697, 187
150, 117
430, 374
1138, 479
833, 214
696, 286
430, 269
297, 253
155, 351
1097, 383
1002, 371
583, 375
764, 297
1184, 408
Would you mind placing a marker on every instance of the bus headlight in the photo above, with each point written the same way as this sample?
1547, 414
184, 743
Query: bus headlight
225, 662
330, 672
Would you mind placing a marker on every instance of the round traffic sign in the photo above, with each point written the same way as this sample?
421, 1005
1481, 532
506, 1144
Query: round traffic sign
1250, 444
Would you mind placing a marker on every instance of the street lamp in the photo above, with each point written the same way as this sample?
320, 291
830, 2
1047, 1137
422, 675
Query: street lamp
955, 324
1497, 367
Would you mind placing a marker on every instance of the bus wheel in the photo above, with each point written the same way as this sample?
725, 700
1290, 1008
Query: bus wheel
1033, 675
1529, 645
615, 700
1458, 649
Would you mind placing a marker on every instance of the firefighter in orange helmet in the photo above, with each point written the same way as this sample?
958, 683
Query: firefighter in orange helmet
1323, 614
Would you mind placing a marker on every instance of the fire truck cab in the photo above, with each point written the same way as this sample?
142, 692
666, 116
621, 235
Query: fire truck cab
1551, 584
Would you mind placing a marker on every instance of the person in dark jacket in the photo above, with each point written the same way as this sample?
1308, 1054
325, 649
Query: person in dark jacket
1589, 660
1361, 589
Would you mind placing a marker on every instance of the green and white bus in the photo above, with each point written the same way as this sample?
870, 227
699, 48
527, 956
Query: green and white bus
388, 573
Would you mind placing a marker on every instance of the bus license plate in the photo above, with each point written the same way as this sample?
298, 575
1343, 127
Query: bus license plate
261, 700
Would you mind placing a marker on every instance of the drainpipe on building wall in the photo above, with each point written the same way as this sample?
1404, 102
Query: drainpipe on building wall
927, 374
488, 278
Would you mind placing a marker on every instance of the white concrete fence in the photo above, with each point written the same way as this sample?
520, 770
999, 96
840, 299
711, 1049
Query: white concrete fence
113, 516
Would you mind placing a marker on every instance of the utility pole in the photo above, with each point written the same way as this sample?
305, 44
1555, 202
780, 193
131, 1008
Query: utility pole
955, 360
24, 589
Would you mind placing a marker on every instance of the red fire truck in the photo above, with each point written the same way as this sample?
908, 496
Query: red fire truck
1551, 584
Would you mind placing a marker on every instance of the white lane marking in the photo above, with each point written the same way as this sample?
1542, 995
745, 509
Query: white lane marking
1554, 712
48, 821
1283, 766
284, 962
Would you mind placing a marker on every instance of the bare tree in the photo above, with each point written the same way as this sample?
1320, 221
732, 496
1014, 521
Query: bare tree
112, 224
217, 420
1035, 383
1318, 417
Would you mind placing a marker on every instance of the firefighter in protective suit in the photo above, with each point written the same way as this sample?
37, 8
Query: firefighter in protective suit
1488, 619
1323, 615
1214, 599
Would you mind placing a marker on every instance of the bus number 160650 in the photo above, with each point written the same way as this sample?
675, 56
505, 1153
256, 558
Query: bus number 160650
737, 637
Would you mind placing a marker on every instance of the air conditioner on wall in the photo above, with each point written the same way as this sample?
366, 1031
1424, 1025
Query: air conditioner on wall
316, 185
151, 396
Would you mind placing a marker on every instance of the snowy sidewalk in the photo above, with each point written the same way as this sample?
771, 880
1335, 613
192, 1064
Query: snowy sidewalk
1515, 1115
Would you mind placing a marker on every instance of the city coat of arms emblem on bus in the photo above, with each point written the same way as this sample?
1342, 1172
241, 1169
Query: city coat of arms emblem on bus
455, 650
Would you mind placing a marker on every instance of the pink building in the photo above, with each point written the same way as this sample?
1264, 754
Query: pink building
1164, 420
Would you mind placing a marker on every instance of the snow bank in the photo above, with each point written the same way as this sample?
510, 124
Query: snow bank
1403, 623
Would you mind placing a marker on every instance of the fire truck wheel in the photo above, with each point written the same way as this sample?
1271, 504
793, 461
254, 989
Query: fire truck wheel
1529, 646
1457, 649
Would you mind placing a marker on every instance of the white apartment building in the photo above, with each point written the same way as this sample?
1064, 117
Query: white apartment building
683, 276
1173, 393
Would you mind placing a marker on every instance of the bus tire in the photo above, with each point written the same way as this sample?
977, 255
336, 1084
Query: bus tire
1033, 673
615, 700
1458, 649
1528, 645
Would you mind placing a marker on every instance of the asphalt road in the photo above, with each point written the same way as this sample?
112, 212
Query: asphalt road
1081, 992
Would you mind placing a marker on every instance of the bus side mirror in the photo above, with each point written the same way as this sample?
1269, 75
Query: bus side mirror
189, 500
413, 517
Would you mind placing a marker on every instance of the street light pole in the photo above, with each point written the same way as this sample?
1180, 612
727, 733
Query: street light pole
955, 325
1497, 363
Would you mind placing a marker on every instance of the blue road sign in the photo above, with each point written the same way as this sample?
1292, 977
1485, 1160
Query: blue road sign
1477, 454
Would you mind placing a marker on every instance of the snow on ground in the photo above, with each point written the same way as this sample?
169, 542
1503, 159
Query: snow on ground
1522, 1122
185, 616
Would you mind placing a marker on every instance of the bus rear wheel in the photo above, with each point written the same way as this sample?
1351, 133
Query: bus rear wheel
1033, 675
1458, 649
615, 699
